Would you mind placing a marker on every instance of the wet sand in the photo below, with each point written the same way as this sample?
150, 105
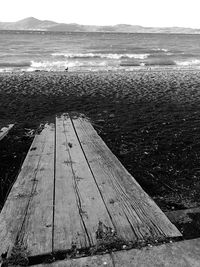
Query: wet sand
150, 120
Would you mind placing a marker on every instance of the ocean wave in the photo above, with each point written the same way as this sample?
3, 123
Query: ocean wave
130, 64
53, 65
160, 49
149, 62
61, 65
160, 62
5, 70
160, 55
100, 55
192, 62
14, 64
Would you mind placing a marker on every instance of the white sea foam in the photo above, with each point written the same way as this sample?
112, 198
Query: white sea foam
61, 65
50, 65
161, 49
192, 62
74, 55
100, 55
6, 70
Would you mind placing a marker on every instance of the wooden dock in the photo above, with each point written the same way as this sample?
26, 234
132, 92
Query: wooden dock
73, 197
4, 131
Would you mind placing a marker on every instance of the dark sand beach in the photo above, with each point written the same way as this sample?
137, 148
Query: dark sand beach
149, 119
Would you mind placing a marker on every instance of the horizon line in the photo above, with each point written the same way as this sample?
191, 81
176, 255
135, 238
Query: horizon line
102, 25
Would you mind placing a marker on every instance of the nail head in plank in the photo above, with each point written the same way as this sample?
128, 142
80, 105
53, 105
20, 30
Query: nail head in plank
130, 201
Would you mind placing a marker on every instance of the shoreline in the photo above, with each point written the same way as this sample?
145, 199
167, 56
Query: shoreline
135, 69
150, 122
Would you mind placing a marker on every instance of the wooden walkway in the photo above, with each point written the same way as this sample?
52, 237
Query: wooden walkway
4, 131
73, 196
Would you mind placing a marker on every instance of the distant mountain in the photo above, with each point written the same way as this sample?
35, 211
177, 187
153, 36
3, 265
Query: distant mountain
28, 24
33, 24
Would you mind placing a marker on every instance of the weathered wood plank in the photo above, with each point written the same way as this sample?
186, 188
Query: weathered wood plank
69, 230
15, 208
70, 182
90, 204
36, 233
134, 213
92, 209
4, 131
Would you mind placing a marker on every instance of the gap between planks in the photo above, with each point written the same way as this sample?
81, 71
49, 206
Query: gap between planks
83, 201
80, 160
132, 210
184, 254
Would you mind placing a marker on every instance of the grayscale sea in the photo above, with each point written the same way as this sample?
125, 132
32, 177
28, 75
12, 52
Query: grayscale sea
31, 50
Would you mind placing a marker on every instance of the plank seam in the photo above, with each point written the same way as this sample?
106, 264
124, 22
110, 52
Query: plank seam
139, 209
76, 190
92, 172
54, 187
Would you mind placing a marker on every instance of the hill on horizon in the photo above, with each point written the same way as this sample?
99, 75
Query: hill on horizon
34, 24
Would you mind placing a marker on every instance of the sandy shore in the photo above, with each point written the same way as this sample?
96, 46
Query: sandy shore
150, 120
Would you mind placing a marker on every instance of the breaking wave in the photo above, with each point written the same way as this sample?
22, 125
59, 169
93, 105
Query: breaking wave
90, 64
99, 55
49, 64
61, 65
192, 62
160, 49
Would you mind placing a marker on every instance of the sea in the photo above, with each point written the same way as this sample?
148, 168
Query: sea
78, 51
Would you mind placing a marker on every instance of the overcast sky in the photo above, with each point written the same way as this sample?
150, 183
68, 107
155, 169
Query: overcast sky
106, 12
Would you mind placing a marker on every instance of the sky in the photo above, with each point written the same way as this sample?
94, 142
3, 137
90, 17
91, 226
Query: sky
152, 13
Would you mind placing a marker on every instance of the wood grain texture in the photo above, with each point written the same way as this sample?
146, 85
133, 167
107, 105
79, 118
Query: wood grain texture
135, 214
36, 233
92, 209
69, 230
70, 184
14, 211
4, 131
